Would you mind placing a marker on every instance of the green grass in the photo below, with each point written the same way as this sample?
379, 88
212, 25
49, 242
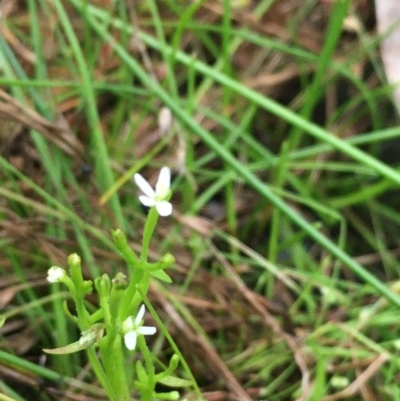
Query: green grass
286, 226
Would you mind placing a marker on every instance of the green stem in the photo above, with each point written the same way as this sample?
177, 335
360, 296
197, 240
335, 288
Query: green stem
113, 360
130, 296
106, 310
139, 276
83, 315
148, 231
147, 395
101, 374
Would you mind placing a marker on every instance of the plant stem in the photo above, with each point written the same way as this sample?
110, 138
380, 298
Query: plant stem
148, 231
113, 361
100, 374
147, 395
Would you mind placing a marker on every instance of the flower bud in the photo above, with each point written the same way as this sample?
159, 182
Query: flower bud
103, 285
122, 245
74, 260
167, 260
88, 286
119, 282
173, 362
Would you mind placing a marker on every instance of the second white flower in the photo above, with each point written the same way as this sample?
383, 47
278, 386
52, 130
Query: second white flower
132, 328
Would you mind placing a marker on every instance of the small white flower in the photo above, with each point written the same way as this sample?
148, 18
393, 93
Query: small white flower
158, 197
54, 274
133, 328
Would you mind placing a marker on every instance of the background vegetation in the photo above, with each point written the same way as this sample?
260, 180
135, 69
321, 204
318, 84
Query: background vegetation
277, 124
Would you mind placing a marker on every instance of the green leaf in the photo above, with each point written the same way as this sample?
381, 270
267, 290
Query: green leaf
88, 338
2, 320
161, 275
68, 349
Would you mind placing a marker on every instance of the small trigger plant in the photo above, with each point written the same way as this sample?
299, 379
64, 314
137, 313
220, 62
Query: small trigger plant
117, 327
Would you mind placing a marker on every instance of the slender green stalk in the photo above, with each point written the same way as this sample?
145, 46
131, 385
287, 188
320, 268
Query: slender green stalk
148, 231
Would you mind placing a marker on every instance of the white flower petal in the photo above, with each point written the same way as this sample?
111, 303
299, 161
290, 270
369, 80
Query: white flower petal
146, 201
144, 186
130, 339
128, 324
163, 182
139, 316
164, 208
54, 274
146, 330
